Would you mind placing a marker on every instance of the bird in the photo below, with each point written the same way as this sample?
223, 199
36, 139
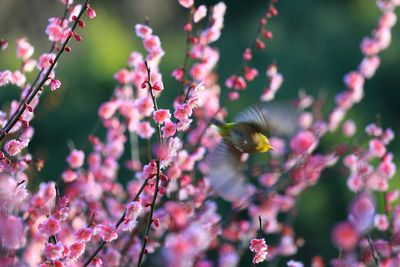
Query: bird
248, 133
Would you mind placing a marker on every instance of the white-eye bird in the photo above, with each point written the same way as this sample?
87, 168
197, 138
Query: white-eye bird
248, 133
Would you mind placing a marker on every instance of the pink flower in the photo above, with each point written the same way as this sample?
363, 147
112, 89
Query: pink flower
158, 86
259, 247
107, 233
55, 84
12, 232
123, 76
24, 49
90, 12
349, 128
152, 43
53, 251
144, 130
143, 31
45, 60
84, 235
381, 222
200, 13
76, 158
150, 170
168, 150
387, 136
354, 80
186, 3
161, 115
178, 74
368, 66
5, 77
377, 148
182, 112
169, 129
54, 31
69, 176
18, 78
344, 236
303, 142
250, 74
14, 147
76, 250
49, 227
144, 105
373, 130
247, 54
387, 168
107, 110
370, 46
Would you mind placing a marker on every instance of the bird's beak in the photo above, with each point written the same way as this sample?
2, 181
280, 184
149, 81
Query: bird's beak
271, 147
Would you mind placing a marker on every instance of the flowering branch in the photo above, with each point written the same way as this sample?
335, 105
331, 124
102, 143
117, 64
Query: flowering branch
29, 97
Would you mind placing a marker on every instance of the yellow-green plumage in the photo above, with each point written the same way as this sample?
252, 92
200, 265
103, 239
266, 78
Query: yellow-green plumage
248, 133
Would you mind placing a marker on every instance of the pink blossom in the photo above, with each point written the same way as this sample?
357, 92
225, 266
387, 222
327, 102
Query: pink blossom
303, 142
143, 31
55, 84
152, 43
368, 66
377, 148
161, 115
182, 112
381, 222
45, 60
18, 78
233, 95
373, 130
107, 109
76, 250
122, 76
50, 226
76, 158
168, 150
12, 232
387, 168
199, 13
387, 136
54, 251
69, 176
354, 80
29, 65
150, 170
344, 236
14, 147
54, 31
105, 232
84, 234
144, 130
24, 49
133, 210
361, 212
349, 128
305, 120
144, 105
5, 77
259, 247
90, 12
370, 46
184, 125
158, 86
250, 74
247, 54
178, 74
169, 129
186, 3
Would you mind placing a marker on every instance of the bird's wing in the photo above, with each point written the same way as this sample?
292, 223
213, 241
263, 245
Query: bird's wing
225, 174
274, 119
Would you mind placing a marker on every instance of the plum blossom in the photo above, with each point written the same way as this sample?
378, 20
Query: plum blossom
76, 158
259, 247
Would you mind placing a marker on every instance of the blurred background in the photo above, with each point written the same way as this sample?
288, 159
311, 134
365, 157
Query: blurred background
315, 43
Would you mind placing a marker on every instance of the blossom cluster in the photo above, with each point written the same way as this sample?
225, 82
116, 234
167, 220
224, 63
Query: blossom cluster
168, 213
